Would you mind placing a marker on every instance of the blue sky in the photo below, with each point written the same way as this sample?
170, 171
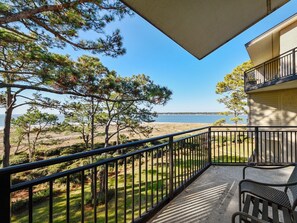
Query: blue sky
192, 81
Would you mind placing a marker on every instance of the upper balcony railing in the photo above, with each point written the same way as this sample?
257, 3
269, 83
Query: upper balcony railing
276, 70
138, 178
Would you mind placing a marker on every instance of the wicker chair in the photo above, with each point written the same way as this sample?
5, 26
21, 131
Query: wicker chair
266, 191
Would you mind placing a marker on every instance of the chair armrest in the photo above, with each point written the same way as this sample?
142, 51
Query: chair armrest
265, 168
245, 215
264, 184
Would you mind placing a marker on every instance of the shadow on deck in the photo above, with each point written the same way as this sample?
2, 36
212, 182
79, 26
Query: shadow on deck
213, 197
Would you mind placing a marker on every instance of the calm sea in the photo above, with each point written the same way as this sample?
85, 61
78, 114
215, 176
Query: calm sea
195, 118
182, 118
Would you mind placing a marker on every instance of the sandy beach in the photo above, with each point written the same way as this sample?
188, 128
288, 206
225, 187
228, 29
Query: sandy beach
53, 140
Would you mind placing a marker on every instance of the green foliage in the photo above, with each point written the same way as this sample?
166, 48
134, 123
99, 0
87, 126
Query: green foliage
32, 124
219, 122
19, 159
59, 23
232, 90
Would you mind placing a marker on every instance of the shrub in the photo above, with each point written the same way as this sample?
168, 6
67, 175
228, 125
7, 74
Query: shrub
19, 159
72, 149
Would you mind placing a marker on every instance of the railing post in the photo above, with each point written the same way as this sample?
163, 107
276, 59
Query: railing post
5, 198
171, 166
294, 62
264, 72
257, 144
209, 145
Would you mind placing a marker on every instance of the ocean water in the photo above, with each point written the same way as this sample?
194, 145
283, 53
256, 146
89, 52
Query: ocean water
195, 118
181, 118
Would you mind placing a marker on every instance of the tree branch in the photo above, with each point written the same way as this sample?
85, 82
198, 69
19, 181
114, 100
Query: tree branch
26, 14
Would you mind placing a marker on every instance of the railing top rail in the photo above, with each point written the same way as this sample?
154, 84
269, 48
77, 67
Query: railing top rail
98, 151
252, 126
270, 60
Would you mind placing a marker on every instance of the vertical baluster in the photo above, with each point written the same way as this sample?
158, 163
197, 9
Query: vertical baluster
106, 192
171, 166
287, 146
295, 147
270, 148
283, 148
187, 159
265, 147
51, 201
162, 173
157, 180
179, 164
116, 187
133, 198
152, 179
125, 189
175, 166
235, 146
30, 204
94, 176
68, 199
191, 156
167, 176
139, 186
278, 148
274, 151
146, 179
291, 145
231, 142
82, 196
223, 152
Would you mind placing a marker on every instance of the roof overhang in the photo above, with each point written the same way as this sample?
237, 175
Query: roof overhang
201, 26
264, 47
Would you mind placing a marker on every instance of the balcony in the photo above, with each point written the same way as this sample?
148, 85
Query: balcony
133, 182
275, 74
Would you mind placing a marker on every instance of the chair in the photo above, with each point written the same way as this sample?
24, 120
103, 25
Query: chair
266, 191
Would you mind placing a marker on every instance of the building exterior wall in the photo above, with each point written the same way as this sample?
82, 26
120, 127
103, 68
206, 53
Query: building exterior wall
288, 38
273, 108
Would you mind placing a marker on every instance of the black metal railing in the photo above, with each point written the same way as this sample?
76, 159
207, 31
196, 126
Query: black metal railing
277, 69
131, 182
128, 186
265, 145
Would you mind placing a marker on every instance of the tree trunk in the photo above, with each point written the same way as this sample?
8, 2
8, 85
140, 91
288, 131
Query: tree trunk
7, 126
93, 174
106, 140
118, 134
29, 146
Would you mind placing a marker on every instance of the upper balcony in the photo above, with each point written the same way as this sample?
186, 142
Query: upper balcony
275, 74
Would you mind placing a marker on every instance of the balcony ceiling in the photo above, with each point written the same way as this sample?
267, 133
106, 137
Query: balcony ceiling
201, 26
